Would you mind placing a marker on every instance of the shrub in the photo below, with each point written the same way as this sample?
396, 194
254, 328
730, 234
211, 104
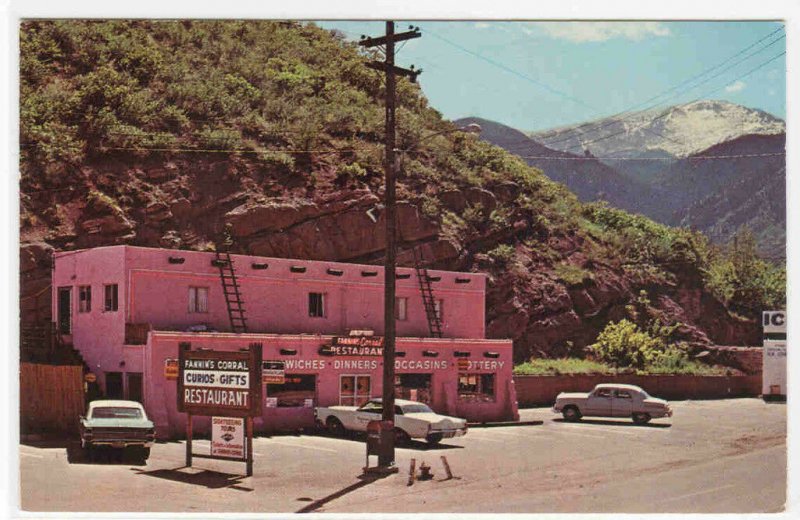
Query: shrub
503, 253
572, 274
623, 344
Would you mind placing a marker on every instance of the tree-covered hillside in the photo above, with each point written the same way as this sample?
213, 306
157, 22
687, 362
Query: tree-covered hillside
161, 132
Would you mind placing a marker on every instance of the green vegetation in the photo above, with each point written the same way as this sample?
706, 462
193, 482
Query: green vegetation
571, 274
538, 366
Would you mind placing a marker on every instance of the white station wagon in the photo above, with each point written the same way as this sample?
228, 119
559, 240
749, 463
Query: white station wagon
612, 400
411, 420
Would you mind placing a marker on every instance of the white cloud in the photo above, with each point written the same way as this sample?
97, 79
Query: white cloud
601, 31
736, 86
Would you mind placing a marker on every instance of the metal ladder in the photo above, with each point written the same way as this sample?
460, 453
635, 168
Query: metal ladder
434, 320
230, 287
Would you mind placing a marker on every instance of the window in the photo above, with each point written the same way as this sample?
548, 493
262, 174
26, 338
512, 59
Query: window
438, 308
198, 299
603, 392
85, 298
316, 305
476, 387
622, 394
401, 309
354, 390
111, 298
295, 391
413, 387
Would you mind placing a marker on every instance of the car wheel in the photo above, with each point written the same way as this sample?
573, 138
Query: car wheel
641, 418
401, 438
571, 413
335, 426
434, 438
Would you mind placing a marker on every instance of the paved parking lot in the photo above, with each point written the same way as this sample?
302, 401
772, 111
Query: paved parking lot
712, 456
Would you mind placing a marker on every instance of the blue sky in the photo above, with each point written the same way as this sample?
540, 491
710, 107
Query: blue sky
538, 75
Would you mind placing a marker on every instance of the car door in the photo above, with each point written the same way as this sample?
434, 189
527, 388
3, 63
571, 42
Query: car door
622, 403
369, 412
599, 402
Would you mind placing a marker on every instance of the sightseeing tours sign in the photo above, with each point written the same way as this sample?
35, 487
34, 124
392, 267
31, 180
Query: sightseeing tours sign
220, 383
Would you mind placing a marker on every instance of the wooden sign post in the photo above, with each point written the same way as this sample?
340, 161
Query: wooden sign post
221, 384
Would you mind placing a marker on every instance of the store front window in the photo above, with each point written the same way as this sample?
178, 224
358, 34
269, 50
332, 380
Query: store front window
476, 387
354, 390
413, 387
295, 392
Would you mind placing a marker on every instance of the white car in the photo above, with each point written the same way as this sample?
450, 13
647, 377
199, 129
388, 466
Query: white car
612, 400
411, 419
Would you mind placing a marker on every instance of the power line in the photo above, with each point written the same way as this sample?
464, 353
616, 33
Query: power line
699, 157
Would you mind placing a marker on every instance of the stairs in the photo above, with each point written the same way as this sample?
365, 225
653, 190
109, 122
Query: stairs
428, 300
230, 288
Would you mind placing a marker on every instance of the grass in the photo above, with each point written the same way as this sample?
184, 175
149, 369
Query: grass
571, 274
540, 367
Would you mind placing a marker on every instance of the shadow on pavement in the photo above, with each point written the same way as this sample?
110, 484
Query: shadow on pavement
363, 481
206, 478
102, 456
615, 423
412, 445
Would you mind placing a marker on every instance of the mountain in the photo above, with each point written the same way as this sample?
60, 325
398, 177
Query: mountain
678, 131
586, 176
165, 133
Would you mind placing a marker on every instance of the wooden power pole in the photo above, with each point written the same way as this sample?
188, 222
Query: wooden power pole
386, 457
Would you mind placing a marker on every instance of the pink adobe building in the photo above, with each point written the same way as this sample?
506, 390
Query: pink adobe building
126, 310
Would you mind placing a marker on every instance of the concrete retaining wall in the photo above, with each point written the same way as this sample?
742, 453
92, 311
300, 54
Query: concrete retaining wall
542, 390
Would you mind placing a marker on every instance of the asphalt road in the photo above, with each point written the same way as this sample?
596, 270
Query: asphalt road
712, 456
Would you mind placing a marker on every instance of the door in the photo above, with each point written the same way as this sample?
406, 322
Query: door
135, 392
599, 402
622, 404
65, 310
114, 385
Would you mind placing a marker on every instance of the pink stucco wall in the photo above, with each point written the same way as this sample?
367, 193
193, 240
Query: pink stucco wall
161, 394
154, 291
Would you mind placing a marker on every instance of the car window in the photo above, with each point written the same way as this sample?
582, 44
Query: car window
398, 410
416, 408
116, 412
603, 392
623, 394
372, 407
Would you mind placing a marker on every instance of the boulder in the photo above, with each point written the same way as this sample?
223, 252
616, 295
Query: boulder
34, 255
453, 200
251, 218
483, 197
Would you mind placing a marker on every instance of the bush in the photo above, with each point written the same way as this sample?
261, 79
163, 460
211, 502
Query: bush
623, 344
503, 253
572, 274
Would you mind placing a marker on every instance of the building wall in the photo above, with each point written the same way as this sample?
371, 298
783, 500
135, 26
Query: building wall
542, 390
161, 394
276, 299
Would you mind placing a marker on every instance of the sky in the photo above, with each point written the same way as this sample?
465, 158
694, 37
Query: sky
539, 75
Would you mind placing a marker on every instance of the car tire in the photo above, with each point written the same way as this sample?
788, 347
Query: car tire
335, 426
434, 438
571, 413
641, 418
401, 438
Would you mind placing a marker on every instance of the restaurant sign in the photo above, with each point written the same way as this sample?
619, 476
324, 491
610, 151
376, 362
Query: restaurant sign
355, 346
220, 383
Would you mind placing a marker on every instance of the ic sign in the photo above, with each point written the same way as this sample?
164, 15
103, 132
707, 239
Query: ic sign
220, 383
774, 322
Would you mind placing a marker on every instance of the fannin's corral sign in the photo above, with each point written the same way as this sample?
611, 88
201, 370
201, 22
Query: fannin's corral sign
220, 383
356, 346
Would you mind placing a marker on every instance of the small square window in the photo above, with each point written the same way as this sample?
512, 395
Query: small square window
111, 298
316, 305
198, 299
401, 309
85, 298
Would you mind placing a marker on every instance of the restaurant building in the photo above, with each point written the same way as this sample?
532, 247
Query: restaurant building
127, 309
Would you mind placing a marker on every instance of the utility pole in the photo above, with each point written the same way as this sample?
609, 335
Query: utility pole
386, 457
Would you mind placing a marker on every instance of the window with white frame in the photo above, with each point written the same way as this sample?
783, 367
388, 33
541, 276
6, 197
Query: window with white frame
111, 297
198, 299
401, 309
85, 298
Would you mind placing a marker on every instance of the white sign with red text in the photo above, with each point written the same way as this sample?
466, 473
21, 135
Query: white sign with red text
227, 437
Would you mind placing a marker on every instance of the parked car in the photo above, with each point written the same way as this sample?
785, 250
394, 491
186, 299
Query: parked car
611, 400
117, 424
411, 419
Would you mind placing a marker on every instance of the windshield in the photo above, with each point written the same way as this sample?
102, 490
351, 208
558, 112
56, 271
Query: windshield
116, 412
416, 408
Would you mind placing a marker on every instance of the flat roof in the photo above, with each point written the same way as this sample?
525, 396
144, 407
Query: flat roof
262, 335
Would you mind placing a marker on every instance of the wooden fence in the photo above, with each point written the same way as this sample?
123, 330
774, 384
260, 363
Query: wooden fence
50, 398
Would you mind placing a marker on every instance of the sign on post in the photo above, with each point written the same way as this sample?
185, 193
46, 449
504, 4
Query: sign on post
774, 322
273, 372
227, 438
171, 369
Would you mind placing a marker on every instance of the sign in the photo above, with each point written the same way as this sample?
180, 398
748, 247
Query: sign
222, 383
171, 369
463, 365
357, 346
272, 402
774, 322
773, 372
90, 377
227, 437
273, 372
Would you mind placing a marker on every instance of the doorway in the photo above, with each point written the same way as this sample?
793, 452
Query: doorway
65, 310
135, 392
